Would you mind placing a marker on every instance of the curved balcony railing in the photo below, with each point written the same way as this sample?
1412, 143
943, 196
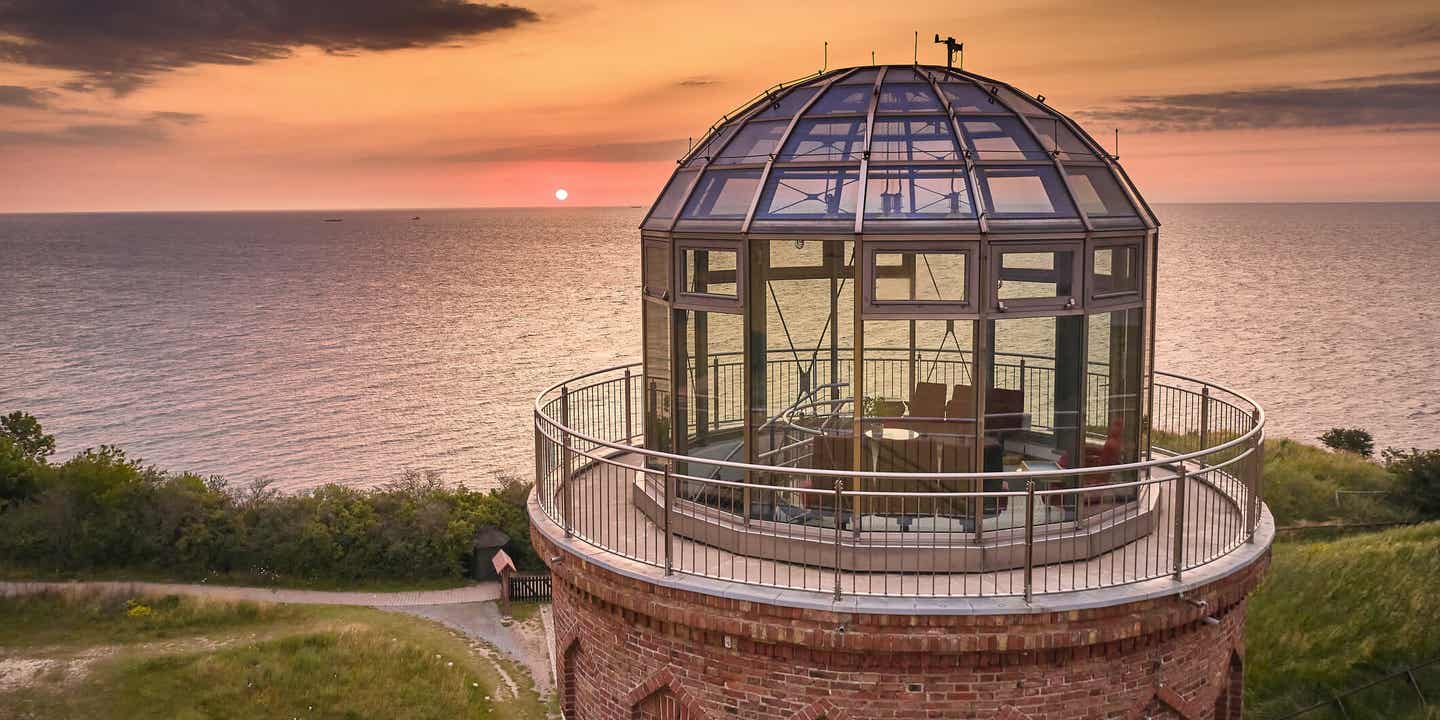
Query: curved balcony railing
1193, 499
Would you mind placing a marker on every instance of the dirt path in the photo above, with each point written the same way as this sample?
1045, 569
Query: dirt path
477, 593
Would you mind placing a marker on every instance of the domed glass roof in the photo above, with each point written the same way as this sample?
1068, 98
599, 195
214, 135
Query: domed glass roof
897, 148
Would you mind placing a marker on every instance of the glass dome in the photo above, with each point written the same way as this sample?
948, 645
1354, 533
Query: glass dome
897, 270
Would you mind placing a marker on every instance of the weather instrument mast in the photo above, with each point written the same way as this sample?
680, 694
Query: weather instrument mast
951, 48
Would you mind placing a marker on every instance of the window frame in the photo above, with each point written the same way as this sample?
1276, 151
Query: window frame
707, 301
1115, 299
645, 289
1073, 304
874, 308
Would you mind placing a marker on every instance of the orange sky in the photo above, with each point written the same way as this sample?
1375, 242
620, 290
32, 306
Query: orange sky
1232, 101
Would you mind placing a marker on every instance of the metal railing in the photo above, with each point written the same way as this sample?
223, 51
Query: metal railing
1195, 498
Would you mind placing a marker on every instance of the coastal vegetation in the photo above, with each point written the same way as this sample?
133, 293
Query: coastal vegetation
1338, 613
117, 656
102, 513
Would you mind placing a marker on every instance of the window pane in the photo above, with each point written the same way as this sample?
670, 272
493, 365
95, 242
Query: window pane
657, 269
827, 140
711, 394
907, 97
1000, 139
1021, 103
810, 194
1097, 192
1046, 274
938, 277
965, 97
899, 193
723, 194
1117, 270
843, 99
754, 143
1032, 405
1113, 401
711, 144
708, 272
787, 106
671, 198
922, 138
860, 77
1025, 192
1056, 137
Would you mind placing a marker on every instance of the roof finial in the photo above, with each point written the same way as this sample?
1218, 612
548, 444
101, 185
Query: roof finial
951, 47
825, 61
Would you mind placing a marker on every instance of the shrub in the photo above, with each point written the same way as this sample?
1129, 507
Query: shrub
1418, 474
1304, 483
1352, 440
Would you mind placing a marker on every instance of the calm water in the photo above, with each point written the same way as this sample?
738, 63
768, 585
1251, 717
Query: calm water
274, 345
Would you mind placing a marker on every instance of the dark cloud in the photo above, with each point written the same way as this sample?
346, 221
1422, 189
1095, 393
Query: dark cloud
1397, 100
151, 129
122, 45
24, 97
697, 82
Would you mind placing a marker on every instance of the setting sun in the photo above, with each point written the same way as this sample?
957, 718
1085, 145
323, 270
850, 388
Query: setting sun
561, 194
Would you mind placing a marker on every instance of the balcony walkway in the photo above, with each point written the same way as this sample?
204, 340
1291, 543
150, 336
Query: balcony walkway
616, 534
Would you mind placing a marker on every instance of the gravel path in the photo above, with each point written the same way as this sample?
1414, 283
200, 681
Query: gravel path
481, 592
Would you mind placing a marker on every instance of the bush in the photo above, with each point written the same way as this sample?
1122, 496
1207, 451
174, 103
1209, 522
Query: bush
1352, 440
1306, 484
100, 510
1418, 474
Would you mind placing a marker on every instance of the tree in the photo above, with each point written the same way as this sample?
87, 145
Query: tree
1418, 472
1354, 440
25, 431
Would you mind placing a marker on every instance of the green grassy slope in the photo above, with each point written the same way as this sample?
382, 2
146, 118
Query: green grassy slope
1336, 614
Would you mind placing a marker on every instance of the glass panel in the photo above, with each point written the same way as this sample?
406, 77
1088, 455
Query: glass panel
1056, 137
1116, 270
711, 399
1032, 410
657, 377
932, 277
902, 75
843, 99
966, 98
1038, 274
706, 271
793, 193
918, 415
801, 309
921, 138
657, 269
711, 143
1024, 105
1113, 402
1097, 192
1025, 192
723, 194
860, 77
828, 140
788, 105
671, 198
935, 193
1000, 139
907, 97
754, 143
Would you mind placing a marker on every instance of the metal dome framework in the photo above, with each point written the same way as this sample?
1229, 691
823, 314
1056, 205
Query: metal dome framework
898, 269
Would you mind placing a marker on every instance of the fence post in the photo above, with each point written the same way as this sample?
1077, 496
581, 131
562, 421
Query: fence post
1029, 538
669, 516
1204, 417
629, 415
1179, 538
566, 501
839, 503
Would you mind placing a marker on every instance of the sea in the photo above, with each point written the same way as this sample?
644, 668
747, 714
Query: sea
277, 346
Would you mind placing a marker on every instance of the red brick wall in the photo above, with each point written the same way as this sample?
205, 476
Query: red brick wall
634, 650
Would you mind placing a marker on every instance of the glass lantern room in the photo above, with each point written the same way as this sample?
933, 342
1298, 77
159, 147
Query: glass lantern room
898, 269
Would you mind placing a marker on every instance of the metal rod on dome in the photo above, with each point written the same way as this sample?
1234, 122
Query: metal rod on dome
825, 59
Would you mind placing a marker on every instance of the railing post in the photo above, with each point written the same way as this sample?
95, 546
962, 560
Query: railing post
629, 415
539, 461
669, 517
1204, 417
1022, 381
1029, 539
1257, 476
839, 503
1178, 540
715, 393
565, 458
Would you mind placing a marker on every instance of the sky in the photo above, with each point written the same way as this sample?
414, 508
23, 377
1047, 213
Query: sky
289, 104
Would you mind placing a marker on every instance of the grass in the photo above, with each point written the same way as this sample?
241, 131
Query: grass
1301, 482
1335, 614
98, 656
